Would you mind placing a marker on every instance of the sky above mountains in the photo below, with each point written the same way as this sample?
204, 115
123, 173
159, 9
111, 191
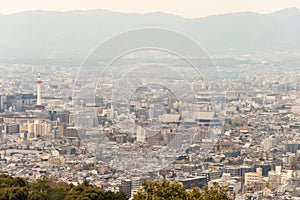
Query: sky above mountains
187, 8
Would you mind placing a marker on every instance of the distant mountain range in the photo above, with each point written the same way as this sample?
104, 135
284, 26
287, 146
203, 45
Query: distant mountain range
69, 36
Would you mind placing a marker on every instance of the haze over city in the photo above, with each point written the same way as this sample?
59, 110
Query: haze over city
150, 99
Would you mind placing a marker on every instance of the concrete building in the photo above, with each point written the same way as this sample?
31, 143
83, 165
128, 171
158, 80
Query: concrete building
39, 128
253, 177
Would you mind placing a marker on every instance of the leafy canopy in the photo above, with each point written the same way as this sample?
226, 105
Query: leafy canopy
166, 190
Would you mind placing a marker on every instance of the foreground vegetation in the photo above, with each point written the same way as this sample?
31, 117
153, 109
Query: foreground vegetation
156, 190
51, 189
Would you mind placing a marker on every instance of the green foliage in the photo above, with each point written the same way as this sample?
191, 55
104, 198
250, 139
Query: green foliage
164, 190
89, 192
8, 181
14, 193
238, 123
52, 189
131, 139
161, 190
295, 163
215, 192
12, 188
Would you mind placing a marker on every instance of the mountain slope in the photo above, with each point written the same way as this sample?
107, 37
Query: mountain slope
42, 35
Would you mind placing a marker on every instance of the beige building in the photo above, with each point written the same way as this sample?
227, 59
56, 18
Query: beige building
39, 128
279, 176
57, 161
253, 177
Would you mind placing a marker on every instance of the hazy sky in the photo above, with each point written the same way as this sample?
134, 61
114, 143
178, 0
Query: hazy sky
186, 8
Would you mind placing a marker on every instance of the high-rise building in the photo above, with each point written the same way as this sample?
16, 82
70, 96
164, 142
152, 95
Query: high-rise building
39, 128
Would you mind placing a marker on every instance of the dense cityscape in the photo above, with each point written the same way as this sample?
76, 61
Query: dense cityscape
250, 145
150, 100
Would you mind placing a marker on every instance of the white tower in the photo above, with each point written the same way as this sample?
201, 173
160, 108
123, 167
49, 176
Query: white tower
1, 133
38, 82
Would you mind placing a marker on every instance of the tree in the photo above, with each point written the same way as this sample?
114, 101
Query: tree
14, 193
9, 181
90, 192
161, 190
215, 192
13, 188
52, 189
156, 190
39, 189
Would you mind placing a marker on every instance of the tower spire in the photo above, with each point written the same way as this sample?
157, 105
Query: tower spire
38, 82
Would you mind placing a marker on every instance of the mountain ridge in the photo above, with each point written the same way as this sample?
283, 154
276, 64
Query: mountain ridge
40, 34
